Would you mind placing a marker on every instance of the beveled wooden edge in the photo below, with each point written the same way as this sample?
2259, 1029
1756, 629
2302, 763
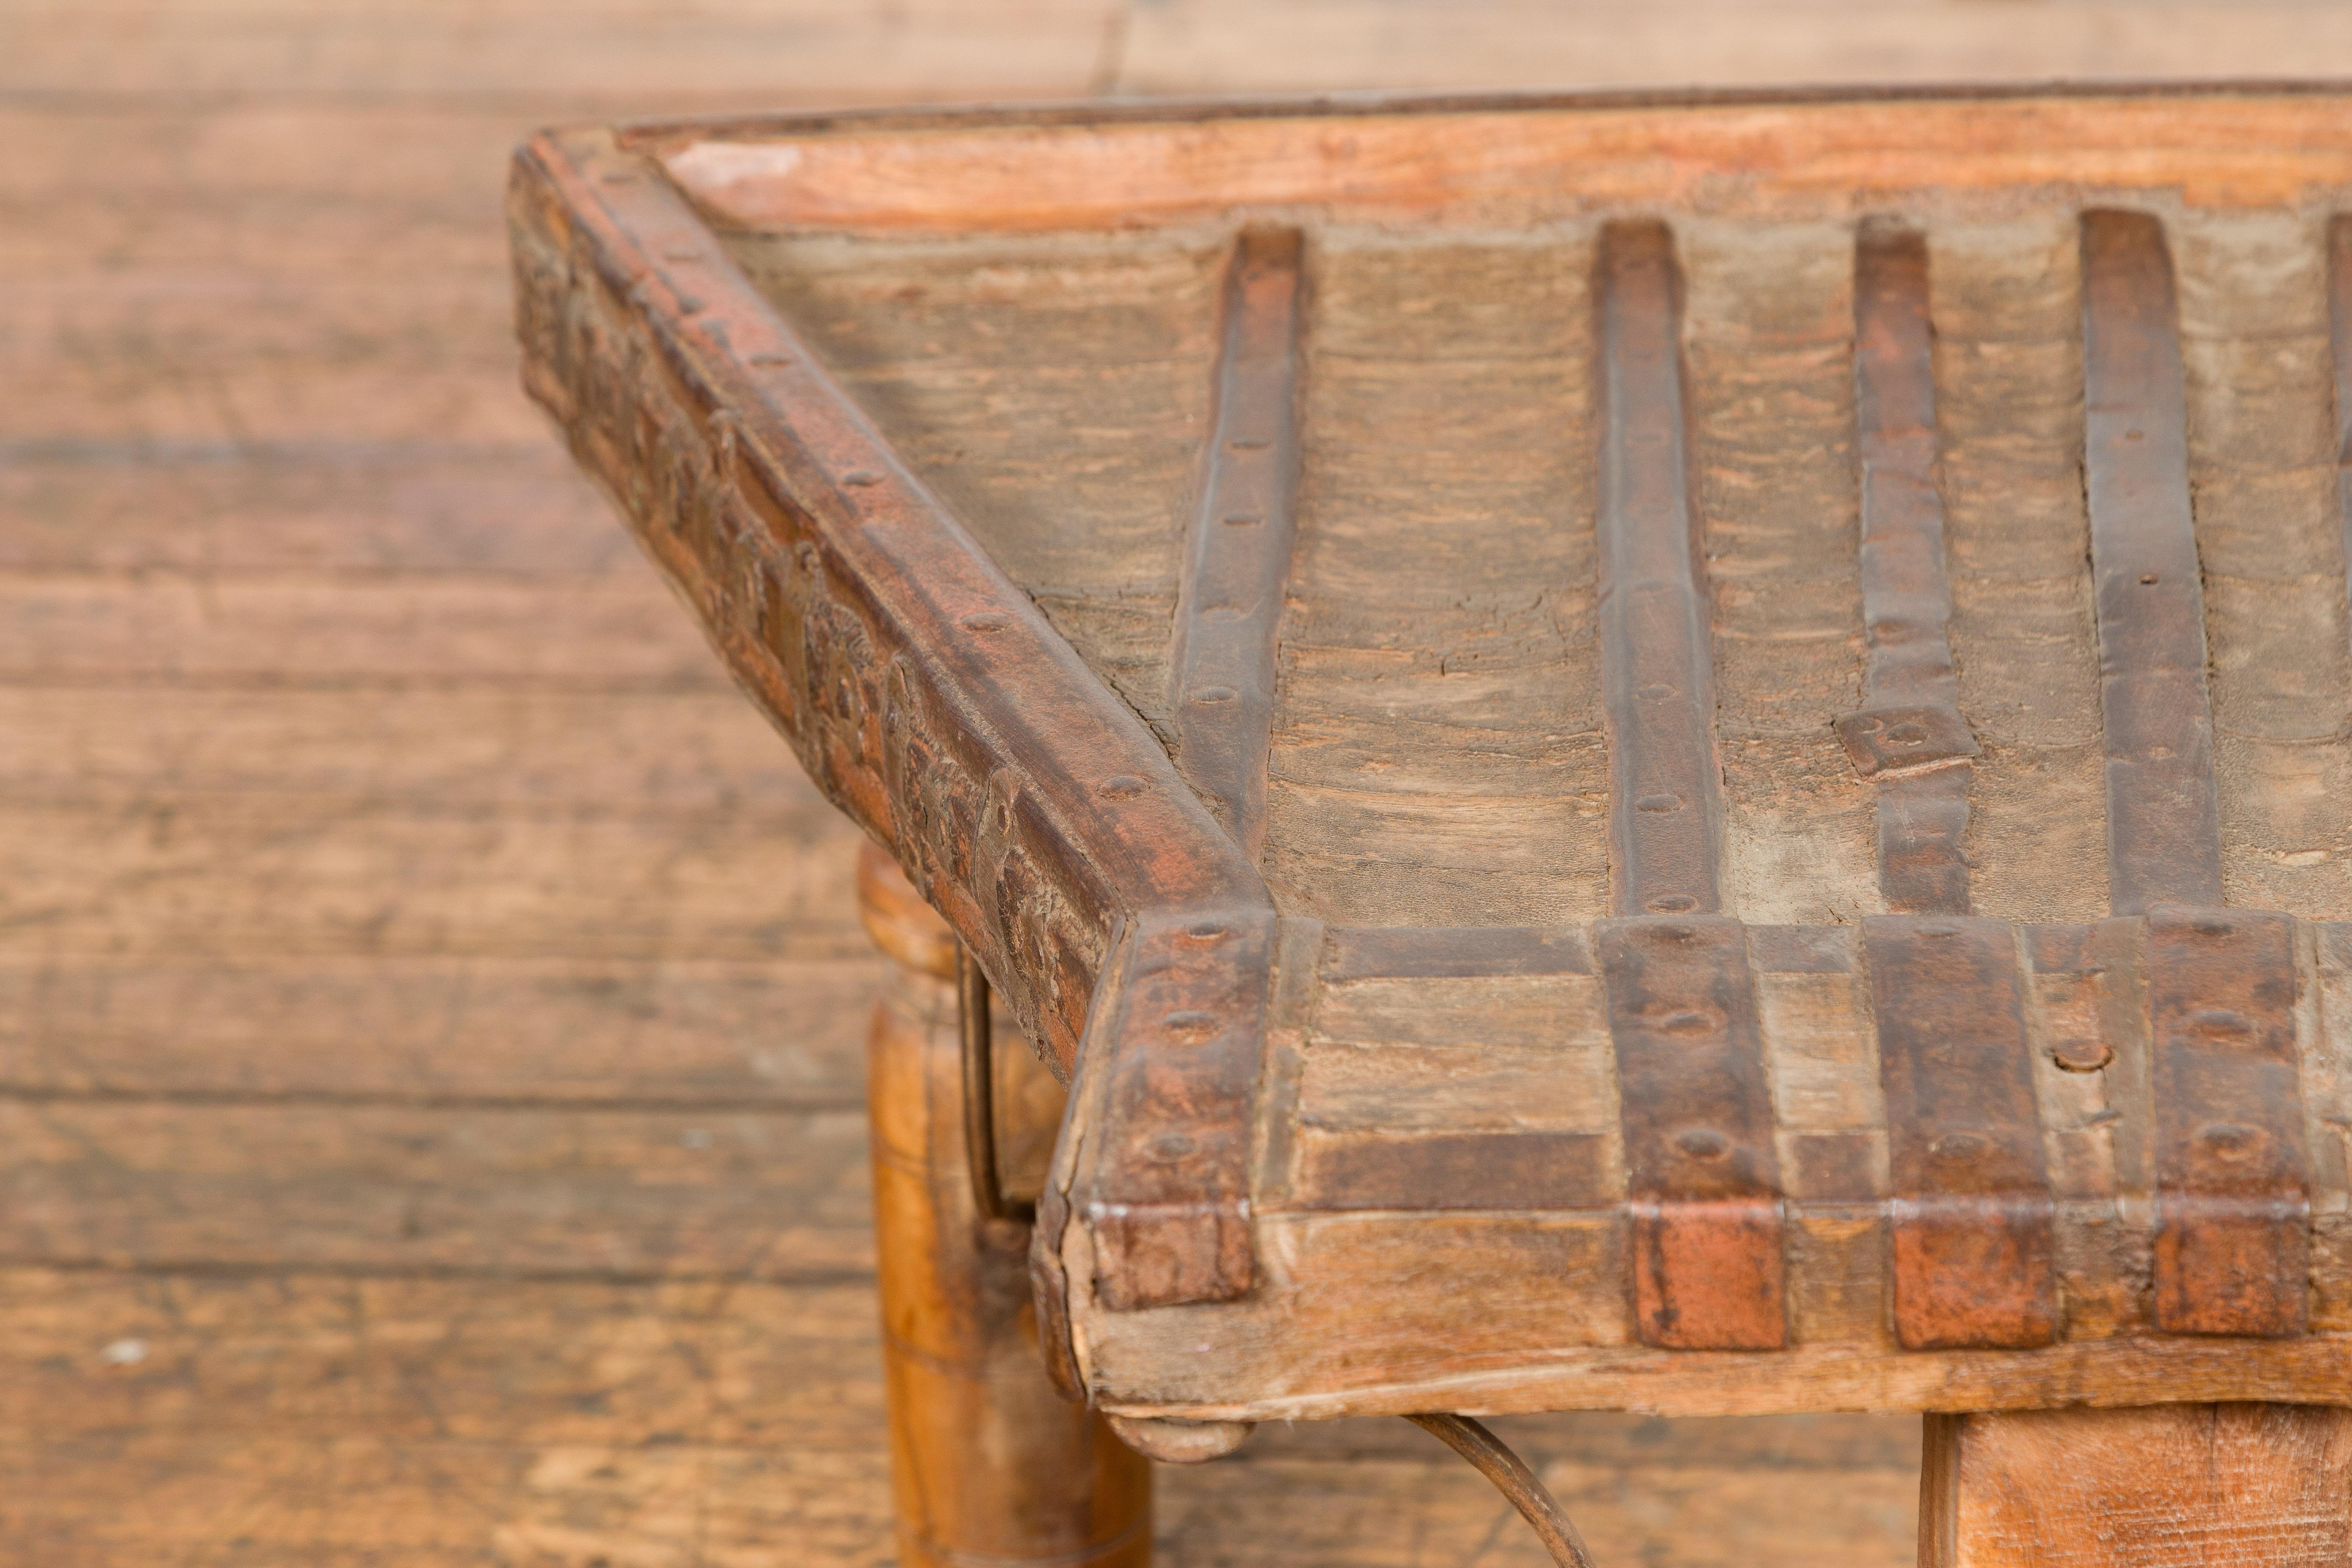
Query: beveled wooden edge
1814, 1379
1508, 160
652, 132
921, 689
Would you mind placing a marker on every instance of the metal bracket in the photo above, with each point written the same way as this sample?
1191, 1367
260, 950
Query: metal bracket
1493, 1458
973, 1027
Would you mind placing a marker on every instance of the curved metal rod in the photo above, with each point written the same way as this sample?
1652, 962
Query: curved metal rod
1493, 1458
980, 1096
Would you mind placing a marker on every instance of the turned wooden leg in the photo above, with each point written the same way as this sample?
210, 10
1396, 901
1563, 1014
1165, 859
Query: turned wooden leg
2249, 1486
987, 1462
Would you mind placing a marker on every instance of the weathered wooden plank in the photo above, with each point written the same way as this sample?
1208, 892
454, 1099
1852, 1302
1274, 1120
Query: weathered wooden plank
1438, 163
293, 630
2009, 406
1768, 343
1221, 660
257, 507
1972, 1212
437, 1029
2164, 829
868, 50
1055, 393
2178, 1485
476, 744
1231, 46
350, 1501
1438, 734
168, 355
256, 1357
2254, 325
226, 877
1909, 733
186, 1391
473, 1190
1665, 807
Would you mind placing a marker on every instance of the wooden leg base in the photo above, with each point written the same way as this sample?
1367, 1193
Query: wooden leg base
2180, 1486
987, 1462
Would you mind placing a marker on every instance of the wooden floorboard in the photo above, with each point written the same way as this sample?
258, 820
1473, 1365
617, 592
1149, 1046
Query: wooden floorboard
430, 1008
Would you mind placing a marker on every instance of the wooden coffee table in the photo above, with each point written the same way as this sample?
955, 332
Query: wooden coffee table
1687, 754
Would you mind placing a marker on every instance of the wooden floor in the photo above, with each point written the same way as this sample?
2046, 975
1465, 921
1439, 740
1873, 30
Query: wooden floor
430, 1124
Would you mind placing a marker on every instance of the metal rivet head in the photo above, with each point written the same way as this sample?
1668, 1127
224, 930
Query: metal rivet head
1121, 786
2082, 1054
1243, 520
1209, 931
1215, 694
987, 621
1654, 692
1673, 904
1659, 802
1703, 1143
1959, 1148
2229, 1142
861, 477
1191, 1024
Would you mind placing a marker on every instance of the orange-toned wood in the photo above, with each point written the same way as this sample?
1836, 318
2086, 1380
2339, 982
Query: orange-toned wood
988, 1463
2254, 1486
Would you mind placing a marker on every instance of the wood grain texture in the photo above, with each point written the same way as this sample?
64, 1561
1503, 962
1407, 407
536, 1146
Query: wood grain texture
1437, 748
1055, 395
1532, 159
1770, 346
1229, 46
2260, 1485
2009, 405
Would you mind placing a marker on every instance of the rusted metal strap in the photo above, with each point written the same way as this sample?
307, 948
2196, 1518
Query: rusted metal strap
1974, 1224
1493, 1458
1702, 1178
1237, 549
1664, 800
976, 1034
1909, 734
1169, 1201
2164, 825
2234, 1204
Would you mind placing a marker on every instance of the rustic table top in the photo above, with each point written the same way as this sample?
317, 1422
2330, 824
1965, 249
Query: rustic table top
1681, 753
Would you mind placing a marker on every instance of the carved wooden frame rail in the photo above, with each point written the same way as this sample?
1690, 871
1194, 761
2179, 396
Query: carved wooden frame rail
1109, 889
